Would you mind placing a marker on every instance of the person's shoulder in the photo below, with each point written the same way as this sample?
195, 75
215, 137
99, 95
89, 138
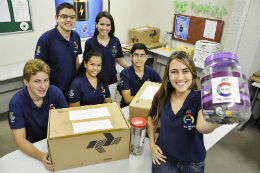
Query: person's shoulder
79, 79
127, 70
18, 98
91, 39
47, 35
196, 94
53, 89
116, 39
75, 34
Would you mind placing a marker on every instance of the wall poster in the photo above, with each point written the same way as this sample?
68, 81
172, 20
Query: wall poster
86, 12
181, 27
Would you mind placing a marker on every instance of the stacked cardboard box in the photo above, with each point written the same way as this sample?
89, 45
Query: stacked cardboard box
87, 136
146, 35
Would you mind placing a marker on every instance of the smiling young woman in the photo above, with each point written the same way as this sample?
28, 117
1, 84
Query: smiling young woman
105, 42
90, 86
177, 105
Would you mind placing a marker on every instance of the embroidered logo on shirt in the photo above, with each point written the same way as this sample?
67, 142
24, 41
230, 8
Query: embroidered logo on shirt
51, 106
38, 50
103, 91
11, 116
114, 51
75, 47
121, 82
188, 119
71, 93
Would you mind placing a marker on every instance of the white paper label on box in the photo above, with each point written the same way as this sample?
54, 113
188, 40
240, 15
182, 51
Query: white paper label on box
149, 92
142, 28
91, 125
89, 113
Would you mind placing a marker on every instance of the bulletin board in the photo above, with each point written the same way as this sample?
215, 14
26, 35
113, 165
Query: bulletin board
196, 29
12, 26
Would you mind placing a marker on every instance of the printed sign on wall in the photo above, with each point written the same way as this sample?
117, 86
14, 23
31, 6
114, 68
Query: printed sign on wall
181, 27
86, 12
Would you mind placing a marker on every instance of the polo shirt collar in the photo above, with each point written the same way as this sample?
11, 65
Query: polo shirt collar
100, 45
59, 36
186, 105
29, 99
145, 72
87, 83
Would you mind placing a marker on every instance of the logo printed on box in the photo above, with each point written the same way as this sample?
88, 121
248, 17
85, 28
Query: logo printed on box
98, 145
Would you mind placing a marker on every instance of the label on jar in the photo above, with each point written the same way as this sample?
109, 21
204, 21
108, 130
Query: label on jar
142, 137
225, 89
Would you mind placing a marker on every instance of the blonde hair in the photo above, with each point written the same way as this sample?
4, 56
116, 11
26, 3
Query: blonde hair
34, 66
167, 88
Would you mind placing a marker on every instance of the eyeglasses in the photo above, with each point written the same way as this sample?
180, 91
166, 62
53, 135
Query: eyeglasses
64, 16
136, 55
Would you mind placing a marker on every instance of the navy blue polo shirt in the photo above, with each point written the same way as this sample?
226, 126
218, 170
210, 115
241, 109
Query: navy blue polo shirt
60, 54
81, 90
178, 136
112, 51
23, 113
130, 80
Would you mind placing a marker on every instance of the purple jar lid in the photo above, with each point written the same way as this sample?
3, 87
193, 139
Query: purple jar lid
220, 55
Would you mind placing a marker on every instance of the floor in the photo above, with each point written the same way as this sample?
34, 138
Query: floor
237, 152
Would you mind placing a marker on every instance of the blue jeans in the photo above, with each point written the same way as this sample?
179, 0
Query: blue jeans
173, 165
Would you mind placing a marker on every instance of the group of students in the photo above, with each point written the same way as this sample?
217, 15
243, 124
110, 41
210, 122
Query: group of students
55, 79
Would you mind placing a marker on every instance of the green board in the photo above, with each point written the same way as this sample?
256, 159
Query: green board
13, 27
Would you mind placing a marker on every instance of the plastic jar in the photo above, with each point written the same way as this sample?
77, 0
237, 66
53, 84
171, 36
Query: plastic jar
224, 90
138, 135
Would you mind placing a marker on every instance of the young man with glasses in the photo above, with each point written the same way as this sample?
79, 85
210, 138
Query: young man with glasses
134, 76
60, 48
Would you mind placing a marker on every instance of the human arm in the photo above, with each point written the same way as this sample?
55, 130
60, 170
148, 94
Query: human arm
126, 94
108, 100
77, 104
77, 63
122, 62
203, 126
155, 149
25, 146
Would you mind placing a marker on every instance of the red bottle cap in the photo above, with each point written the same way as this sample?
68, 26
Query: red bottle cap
138, 122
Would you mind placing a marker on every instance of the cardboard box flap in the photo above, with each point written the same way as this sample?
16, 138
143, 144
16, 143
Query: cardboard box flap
140, 102
60, 124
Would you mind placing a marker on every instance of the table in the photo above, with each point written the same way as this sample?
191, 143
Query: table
17, 161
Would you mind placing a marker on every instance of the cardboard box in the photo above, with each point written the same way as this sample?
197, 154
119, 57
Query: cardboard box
203, 49
139, 107
189, 50
145, 35
69, 150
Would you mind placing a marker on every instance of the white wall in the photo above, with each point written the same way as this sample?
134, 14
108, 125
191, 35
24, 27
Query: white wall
17, 48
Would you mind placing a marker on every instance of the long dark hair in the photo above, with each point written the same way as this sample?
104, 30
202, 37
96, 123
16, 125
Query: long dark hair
167, 88
101, 75
107, 15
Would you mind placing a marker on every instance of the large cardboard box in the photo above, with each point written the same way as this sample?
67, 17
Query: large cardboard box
69, 150
203, 49
145, 35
